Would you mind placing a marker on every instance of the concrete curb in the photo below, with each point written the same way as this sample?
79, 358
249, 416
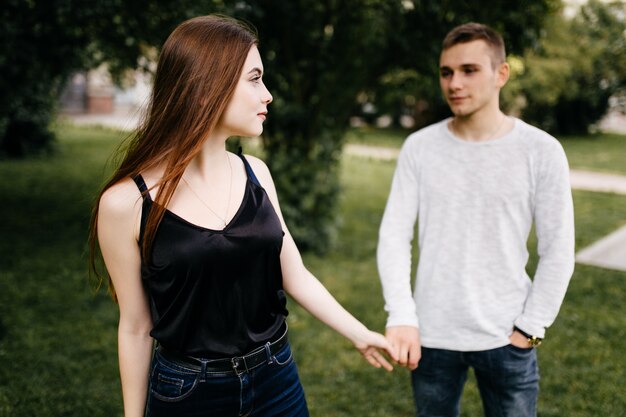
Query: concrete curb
596, 181
608, 252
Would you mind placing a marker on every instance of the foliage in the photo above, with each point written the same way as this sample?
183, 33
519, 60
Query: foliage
319, 56
316, 61
43, 42
32, 39
580, 64
58, 339
411, 83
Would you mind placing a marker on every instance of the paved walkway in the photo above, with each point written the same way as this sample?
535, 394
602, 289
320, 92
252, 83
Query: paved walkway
608, 252
580, 179
122, 118
596, 181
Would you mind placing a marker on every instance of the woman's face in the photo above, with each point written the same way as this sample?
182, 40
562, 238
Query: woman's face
247, 109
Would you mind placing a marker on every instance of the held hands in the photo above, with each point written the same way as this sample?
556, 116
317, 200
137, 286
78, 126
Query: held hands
406, 342
370, 345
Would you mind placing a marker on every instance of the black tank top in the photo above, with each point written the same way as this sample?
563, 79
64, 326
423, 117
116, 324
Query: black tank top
216, 293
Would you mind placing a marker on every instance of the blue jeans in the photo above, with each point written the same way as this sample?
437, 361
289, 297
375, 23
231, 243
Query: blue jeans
507, 377
272, 389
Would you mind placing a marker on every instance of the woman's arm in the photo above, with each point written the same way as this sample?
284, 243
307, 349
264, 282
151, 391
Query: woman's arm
118, 230
307, 290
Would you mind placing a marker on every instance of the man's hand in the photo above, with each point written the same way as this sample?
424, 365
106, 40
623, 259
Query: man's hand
406, 342
519, 340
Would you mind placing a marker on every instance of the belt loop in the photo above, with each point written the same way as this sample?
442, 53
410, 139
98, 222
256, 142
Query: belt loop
268, 353
203, 371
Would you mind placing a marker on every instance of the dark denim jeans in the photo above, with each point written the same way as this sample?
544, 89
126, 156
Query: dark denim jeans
272, 389
507, 377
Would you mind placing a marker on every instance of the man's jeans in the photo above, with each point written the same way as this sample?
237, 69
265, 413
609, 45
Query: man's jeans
507, 377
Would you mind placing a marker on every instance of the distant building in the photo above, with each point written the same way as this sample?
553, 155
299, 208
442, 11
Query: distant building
93, 92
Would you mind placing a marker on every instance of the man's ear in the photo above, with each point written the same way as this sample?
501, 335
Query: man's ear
502, 74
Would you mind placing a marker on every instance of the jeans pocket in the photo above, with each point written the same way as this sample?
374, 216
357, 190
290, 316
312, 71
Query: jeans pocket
169, 384
284, 357
519, 350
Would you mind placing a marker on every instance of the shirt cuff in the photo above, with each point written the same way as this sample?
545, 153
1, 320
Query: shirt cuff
530, 328
402, 320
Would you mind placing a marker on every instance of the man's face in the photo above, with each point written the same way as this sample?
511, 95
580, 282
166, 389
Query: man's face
468, 79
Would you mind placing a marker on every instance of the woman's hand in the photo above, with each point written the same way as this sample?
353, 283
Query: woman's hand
370, 344
309, 292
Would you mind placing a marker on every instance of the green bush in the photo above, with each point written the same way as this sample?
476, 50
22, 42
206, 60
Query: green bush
580, 64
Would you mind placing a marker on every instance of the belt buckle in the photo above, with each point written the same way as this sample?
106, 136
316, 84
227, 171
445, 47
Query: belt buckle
235, 362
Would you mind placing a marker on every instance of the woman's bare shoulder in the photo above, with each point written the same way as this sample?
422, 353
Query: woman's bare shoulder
122, 198
260, 168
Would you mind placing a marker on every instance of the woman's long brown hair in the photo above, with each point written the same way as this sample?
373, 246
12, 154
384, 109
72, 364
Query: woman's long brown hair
197, 72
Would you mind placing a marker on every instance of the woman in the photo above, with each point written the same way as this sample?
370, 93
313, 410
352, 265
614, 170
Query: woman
196, 247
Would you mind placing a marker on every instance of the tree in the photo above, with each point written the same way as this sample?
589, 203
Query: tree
319, 56
32, 40
413, 77
43, 41
579, 65
315, 54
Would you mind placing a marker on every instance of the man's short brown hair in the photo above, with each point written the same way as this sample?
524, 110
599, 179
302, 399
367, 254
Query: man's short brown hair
477, 31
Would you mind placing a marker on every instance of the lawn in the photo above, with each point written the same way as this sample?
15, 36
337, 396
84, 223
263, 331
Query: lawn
58, 335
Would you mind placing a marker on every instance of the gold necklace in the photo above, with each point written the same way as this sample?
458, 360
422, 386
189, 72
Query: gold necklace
230, 188
492, 135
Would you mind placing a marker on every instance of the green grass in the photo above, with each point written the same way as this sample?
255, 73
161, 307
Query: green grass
58, 336
391, 138
599, 152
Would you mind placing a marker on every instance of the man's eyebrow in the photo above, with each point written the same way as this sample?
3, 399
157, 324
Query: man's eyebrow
463, 66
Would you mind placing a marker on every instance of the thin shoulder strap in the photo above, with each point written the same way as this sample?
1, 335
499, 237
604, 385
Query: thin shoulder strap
143, 188
249, 170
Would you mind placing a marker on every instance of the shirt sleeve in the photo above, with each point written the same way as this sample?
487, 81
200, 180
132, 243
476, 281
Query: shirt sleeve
554, 225
395, 236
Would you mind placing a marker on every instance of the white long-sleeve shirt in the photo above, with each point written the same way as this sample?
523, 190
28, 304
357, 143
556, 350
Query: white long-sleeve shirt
475, 204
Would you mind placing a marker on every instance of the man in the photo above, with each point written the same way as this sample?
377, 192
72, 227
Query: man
475, 183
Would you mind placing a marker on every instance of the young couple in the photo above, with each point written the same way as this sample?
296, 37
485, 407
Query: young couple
200, 259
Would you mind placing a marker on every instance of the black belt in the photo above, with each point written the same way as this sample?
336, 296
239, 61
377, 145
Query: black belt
238, 364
